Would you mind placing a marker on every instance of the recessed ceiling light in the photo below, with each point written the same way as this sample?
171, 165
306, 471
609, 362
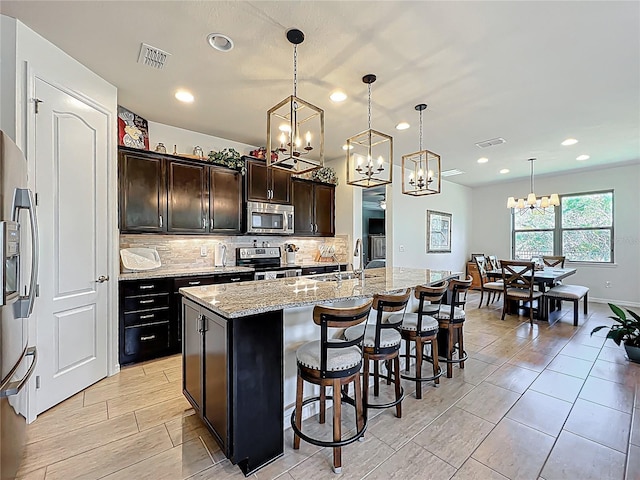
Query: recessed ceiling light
344, 147
582, 157
220, 42
505, 170
402, 126
483, 160
338, 96
569, 141
184, 96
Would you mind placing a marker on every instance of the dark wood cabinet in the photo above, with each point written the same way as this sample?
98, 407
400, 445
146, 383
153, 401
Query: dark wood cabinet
142, 188
267, 184
228, 367
314, 208
187, 198
225, 200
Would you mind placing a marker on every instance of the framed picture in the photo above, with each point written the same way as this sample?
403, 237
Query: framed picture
438, 232
133, 130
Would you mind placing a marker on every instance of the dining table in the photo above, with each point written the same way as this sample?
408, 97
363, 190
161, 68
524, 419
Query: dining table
545, 278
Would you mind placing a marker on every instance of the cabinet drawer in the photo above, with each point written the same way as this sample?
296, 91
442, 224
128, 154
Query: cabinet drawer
145, 287
144, 302
234, 277
146, 316
146, 340
194, 281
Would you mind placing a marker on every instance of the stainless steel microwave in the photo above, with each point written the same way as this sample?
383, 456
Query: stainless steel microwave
272, 218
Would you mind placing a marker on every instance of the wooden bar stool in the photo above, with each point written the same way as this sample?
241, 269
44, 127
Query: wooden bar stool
381, 343
422, 328
331, 362
451, 320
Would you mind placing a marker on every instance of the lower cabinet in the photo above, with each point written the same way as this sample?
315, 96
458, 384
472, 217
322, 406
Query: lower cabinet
232, 376
472, 269
323, 269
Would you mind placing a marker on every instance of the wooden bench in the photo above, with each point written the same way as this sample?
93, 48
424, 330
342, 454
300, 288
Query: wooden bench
571, 293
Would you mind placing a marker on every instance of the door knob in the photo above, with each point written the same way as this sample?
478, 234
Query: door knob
103, 278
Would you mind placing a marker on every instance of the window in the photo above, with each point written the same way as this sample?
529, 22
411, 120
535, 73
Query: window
581, 229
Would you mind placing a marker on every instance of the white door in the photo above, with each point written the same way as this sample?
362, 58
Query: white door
71, 185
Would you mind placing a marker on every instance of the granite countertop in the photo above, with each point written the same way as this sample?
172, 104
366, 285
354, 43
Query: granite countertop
250, 298
182, 271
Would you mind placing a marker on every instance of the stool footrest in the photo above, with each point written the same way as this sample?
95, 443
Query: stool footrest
457, 360
423, 379
347, 399
323, 443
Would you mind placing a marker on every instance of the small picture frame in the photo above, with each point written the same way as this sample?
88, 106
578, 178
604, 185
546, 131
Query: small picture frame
438, 232
133, 130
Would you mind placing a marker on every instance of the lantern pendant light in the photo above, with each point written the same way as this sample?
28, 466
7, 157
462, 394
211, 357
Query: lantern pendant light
421, 173
369, 154
295, 127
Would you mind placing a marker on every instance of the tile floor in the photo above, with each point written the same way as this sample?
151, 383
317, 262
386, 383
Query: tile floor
542, 402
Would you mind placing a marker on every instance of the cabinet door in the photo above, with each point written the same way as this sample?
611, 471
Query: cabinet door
303, 207
215, 380
192, 346
142, 193
188, 198
280, 186
225, 190
324, 210
257, 176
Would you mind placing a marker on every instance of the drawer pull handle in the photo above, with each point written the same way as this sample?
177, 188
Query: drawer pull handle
151, 315
194, 283
146, 287
147, 301
313, 272
237, 279
148, 337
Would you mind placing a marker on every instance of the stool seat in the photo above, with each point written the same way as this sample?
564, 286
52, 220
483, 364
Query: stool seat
410, 323
570, 292
388, 336
445, 312
308, 355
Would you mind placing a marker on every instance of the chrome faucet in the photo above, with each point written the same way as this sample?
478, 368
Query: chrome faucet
338, 271
357, 251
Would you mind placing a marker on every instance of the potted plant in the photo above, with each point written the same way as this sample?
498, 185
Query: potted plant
229, 158
627, 330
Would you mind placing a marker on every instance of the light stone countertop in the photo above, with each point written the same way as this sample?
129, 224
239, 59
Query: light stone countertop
182, 272
250, 298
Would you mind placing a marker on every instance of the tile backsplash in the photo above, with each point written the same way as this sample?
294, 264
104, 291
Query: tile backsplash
180, 251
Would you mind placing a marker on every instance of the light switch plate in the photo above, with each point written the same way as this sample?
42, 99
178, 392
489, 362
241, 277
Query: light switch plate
203, 251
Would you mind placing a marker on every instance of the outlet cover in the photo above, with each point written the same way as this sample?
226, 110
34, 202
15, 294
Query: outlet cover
203, 251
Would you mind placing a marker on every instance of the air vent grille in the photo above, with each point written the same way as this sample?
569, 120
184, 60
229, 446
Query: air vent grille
491, 143
451, 172
152, 56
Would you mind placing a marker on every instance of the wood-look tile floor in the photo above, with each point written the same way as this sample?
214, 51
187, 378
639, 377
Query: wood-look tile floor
544, 402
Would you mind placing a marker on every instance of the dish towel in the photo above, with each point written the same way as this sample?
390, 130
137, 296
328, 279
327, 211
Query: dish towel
270, 275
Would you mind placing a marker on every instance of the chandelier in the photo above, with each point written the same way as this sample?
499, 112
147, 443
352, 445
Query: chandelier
295, 128
533, 203
369, 154
421, 170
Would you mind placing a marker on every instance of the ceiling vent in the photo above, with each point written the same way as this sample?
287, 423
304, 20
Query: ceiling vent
451, 172
152, 56
491, 143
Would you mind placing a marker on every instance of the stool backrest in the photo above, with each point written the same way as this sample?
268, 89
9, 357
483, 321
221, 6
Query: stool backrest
432, 295
387, 303
553, 260
518, 274
459, 289
338, 317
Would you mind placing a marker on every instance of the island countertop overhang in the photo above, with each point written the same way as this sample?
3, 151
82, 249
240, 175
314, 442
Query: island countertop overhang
252, 298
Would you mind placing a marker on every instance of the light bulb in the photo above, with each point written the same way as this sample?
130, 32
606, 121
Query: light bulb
285, 128
430, 175
420, 173
380, 160
359, 161
308, 138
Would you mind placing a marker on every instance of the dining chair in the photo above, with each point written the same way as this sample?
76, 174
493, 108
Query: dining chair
518, 278
553, 260
492, 288
493, 262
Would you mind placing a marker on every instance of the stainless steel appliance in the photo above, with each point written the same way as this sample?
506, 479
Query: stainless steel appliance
272, 218
266, 261
18, 230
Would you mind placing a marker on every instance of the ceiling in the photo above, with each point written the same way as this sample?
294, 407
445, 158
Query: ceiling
531, 72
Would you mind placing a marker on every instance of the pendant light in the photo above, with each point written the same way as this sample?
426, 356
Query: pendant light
533, 203
421, 173
295, 127
369, 154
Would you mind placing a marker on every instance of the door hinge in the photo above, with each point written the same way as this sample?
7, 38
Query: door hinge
37, 381
37, 101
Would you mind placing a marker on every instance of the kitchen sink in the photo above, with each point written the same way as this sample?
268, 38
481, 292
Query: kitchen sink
333, 277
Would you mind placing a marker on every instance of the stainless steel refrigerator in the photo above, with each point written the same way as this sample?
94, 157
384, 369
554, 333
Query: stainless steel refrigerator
18, 277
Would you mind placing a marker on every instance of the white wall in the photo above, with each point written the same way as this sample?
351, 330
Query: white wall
348, 206
186, 140
491, 226
407, 219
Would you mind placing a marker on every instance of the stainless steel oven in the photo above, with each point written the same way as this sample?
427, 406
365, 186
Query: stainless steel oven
266, 262
272, 218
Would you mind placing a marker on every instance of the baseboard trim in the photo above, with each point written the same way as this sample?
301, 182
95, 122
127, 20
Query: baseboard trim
623, 303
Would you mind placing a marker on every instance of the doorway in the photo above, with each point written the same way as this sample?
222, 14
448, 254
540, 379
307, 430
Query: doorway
373, 224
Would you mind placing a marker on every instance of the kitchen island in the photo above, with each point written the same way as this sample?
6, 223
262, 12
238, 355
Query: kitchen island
239, 343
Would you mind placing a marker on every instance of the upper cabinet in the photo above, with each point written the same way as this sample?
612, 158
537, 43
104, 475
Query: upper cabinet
267, 184
143, 199
314, 208
163, 194
188, 198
